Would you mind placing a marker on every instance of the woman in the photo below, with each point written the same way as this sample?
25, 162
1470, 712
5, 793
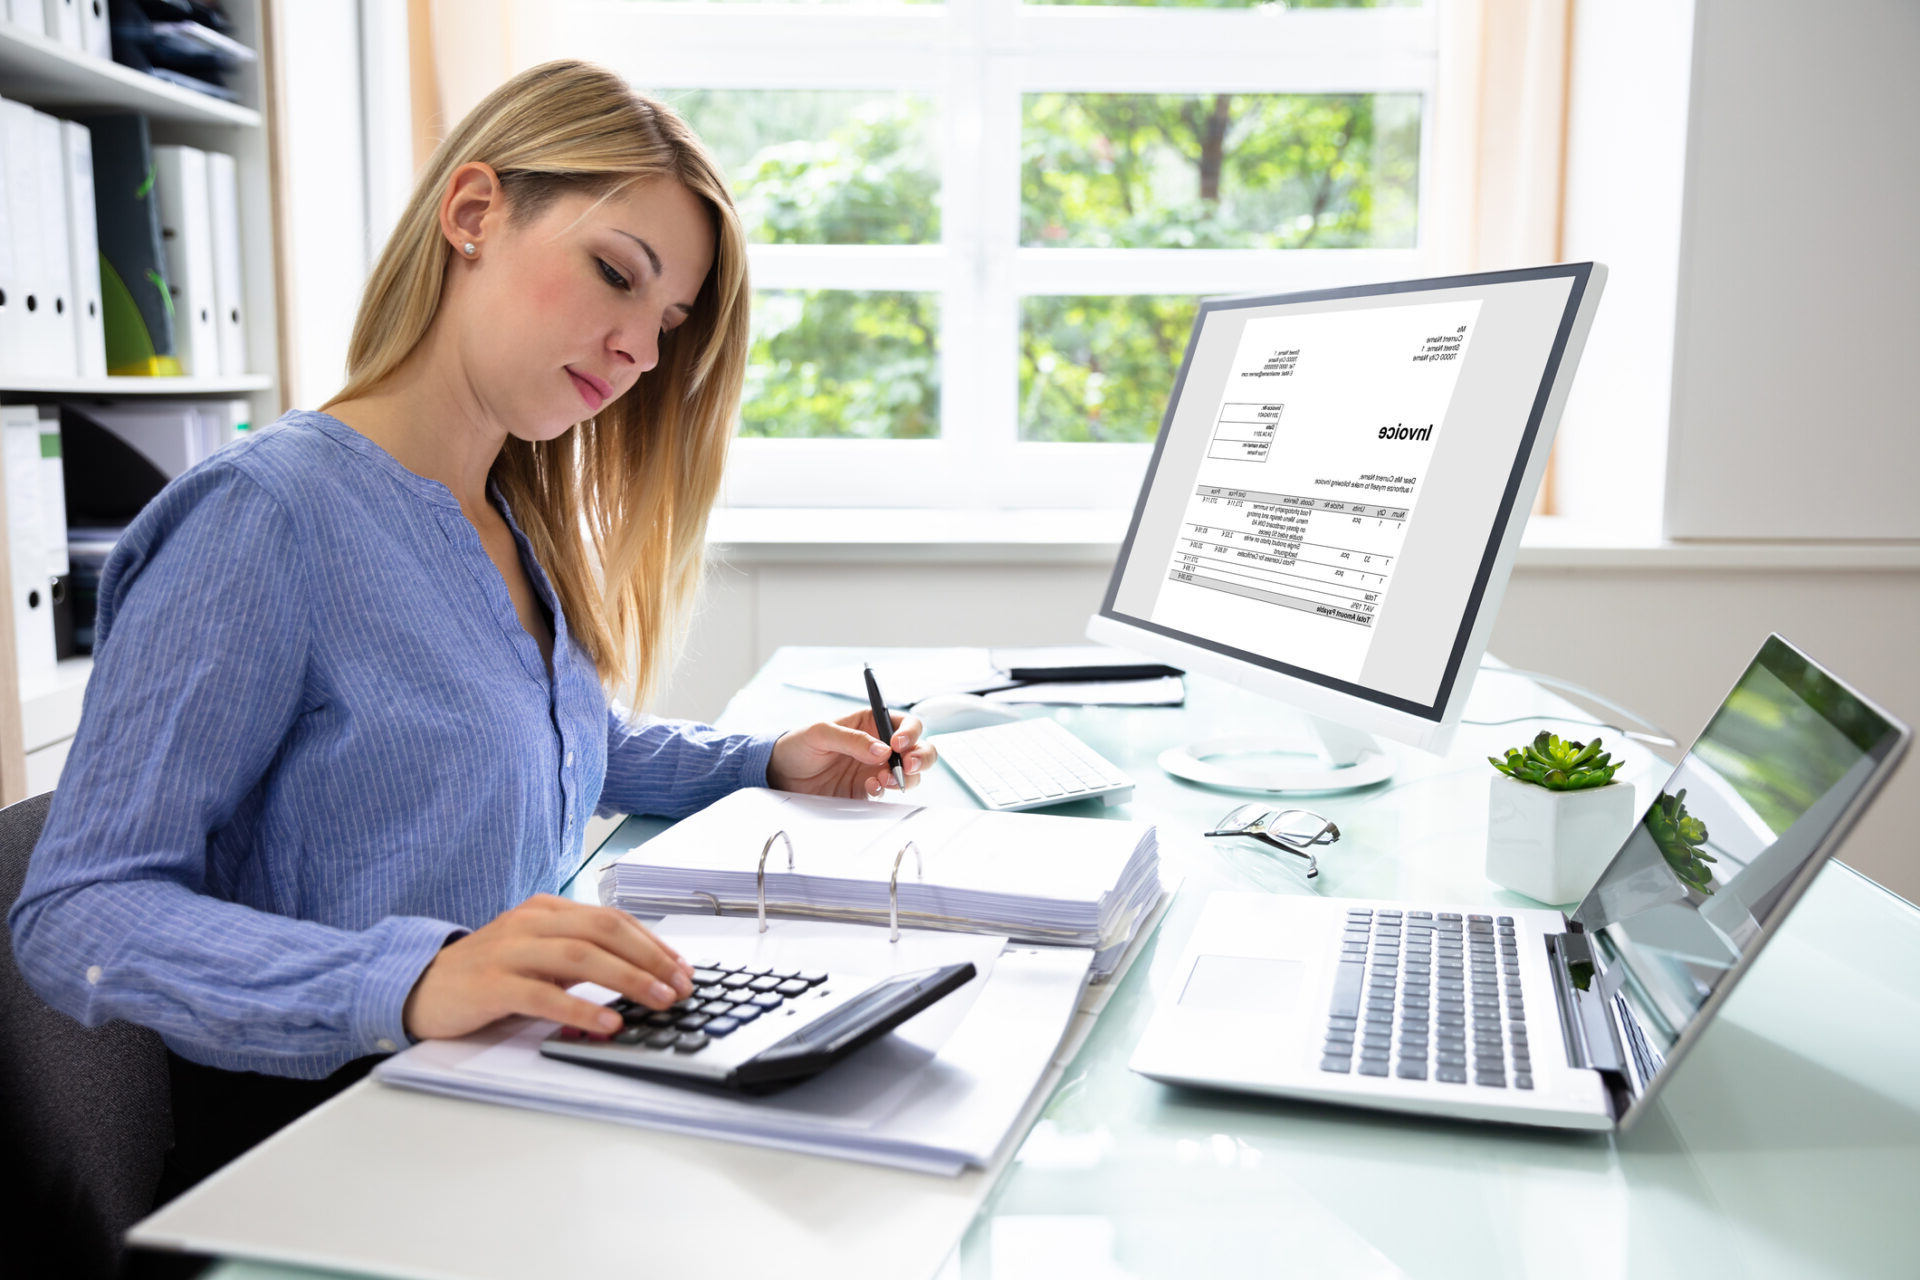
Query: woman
348, 709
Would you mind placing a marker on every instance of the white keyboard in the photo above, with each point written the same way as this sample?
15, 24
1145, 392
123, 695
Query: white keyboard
1030, 763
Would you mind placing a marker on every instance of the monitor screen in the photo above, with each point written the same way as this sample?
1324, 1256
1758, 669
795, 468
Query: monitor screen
1335, 474
1704, 874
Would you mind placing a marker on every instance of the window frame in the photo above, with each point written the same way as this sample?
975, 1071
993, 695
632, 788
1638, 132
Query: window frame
976, 59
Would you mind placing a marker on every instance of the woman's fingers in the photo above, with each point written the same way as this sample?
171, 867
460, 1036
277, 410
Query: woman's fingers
618, 934
544, 1000
565, 961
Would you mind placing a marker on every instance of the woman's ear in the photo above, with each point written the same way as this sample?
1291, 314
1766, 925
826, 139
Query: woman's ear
473, 194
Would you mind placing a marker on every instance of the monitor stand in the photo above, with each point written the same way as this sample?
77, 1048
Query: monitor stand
1346, 759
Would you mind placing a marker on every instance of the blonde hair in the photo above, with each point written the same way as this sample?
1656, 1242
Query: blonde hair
615, 508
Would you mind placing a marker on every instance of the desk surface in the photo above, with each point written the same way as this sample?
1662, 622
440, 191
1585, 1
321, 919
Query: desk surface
1788, 1143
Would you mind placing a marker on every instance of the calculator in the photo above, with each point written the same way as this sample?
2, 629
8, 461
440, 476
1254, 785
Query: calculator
757, 1028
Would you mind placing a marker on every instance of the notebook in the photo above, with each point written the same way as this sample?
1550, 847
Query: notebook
1036, 878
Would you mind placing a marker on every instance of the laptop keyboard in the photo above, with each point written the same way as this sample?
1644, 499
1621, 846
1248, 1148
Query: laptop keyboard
1421, 995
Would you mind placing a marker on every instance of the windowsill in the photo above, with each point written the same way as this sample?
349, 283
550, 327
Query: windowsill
812, 535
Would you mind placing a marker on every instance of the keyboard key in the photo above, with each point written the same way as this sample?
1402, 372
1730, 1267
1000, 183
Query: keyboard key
1346, 988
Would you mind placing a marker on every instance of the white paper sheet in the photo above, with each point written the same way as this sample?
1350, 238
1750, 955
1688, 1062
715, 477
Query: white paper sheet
940, 1093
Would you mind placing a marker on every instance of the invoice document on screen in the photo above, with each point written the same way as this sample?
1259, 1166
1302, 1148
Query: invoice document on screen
1311, 479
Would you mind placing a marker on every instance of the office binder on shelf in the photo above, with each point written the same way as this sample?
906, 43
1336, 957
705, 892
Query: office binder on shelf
186, 240
63, 21
62, 345
96, 29
53, 530
12, 292
1038, 878
27, 555
30, 14
89, 327
34, 340
229, 292
135, 302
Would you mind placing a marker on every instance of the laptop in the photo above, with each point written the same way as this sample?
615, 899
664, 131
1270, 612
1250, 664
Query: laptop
1529, 1016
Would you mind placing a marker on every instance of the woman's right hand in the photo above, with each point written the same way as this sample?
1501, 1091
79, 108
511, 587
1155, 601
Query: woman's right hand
523, 961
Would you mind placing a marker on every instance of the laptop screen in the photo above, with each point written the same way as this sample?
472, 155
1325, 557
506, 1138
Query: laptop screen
1705, 873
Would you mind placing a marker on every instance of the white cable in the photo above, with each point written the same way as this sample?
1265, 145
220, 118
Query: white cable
1658, 736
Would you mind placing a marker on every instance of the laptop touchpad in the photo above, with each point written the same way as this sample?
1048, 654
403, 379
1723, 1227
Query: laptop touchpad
1245, 984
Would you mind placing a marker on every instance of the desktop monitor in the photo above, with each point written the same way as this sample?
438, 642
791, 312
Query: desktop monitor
1334, 502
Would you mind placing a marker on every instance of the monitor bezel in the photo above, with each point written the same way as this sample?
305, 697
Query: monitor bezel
1423, 724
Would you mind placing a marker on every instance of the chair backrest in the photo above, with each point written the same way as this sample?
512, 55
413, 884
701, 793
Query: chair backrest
85, 1113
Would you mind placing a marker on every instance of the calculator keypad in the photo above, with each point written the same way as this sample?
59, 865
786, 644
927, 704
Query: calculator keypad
725, 998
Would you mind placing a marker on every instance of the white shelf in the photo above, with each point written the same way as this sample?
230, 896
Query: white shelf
13, 383
43, 72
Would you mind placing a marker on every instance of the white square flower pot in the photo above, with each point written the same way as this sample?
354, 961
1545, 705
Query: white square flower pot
1553, 845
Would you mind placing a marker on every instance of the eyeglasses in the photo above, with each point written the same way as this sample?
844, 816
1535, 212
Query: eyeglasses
1294, 831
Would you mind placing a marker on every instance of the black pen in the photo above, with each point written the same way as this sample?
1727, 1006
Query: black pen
884, 724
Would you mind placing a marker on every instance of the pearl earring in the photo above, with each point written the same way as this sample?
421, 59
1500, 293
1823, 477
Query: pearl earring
468, 246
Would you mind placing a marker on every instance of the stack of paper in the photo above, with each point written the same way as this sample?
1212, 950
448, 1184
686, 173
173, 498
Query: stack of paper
1060, 675
1078, 882
942, 1092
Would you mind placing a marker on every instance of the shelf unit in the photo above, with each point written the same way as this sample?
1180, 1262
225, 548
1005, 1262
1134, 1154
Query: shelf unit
37, 723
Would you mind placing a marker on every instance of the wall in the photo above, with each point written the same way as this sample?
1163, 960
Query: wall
1665, 641
1796, 324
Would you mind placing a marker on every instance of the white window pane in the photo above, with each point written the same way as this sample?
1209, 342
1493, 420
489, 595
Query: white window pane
836, 363
824, 166
1220, 171
1098, 368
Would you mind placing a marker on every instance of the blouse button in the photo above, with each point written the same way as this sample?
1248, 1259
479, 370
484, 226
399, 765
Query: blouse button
385, 1045
93, 974
569, 759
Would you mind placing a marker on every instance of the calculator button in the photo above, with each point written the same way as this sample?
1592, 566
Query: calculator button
768, 1000
712, 991
733, 980
764, 982
721, 1026
701, 977
662, 1039
744, 1012
791, 987
812, 977
632, 1035
717, 1007
693, 1021
690, 1042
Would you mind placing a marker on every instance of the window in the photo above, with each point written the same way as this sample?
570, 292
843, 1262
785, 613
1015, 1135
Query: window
980, 228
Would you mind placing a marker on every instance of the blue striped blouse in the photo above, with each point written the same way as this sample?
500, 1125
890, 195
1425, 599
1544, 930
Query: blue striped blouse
316, 744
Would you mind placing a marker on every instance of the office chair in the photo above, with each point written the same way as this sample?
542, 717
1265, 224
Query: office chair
85, 1113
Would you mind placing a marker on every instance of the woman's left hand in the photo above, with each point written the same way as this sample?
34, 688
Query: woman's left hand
843, 757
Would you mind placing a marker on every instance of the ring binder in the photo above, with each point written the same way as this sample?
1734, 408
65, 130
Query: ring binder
893, 887
760, 877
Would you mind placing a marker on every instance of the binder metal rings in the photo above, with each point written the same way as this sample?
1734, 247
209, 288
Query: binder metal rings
893, 888
760, 877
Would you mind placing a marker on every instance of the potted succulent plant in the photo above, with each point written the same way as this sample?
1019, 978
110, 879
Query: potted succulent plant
1554, 817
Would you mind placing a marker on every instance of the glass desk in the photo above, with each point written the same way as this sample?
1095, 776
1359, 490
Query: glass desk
1788, 1144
